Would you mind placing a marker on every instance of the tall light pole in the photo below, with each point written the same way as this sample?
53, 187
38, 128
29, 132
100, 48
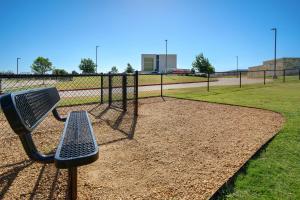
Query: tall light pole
96, 58
275, 49
166, 56
18, 65
237, 66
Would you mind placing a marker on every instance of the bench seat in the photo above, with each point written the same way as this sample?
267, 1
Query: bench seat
78, 145
25, 110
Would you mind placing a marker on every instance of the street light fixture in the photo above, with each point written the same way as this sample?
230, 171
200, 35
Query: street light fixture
166, 56
96, 58
18, 65
275, 49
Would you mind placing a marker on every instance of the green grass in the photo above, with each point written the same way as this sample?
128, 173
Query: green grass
94, 82
73, 101
275, 172
155, 79
88, 82
79, 83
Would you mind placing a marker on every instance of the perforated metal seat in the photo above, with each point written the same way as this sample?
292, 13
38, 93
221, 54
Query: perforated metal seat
78, 144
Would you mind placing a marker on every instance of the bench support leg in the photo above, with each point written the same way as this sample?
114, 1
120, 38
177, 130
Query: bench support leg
32, 151
72, 182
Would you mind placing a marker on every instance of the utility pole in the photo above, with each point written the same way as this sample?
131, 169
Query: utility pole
96, 59
18, 65
166, 56
275, 49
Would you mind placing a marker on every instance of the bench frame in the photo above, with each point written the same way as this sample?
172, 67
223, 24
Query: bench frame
24, 129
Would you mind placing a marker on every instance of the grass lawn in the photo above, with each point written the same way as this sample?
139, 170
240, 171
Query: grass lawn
94, 82
73, 101
87, 82
275, 172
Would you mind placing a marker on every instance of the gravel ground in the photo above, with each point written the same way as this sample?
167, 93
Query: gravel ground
181, 149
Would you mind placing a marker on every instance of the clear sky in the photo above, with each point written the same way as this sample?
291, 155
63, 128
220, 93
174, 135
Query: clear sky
67, 30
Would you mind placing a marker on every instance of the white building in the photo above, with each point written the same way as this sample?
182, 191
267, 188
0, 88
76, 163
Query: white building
157, 62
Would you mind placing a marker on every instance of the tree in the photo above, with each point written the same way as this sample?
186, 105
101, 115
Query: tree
59, 72
8, 72
87, 65
129, 68
41, 65
114, 70
74, 72
202, 64
193, 71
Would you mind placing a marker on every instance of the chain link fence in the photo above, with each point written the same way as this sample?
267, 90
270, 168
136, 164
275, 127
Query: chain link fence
233, 80
149, 85
77, 92
122, 91
85, 92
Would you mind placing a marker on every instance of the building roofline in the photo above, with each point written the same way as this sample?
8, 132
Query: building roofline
255, 66
153, 54
283, 58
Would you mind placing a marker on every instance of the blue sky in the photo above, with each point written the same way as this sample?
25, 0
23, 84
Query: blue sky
66, 31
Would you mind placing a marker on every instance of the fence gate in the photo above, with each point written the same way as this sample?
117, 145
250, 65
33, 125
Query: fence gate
123, 91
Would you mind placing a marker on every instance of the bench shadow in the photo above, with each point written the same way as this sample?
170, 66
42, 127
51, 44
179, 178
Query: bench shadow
7, 178
153, 100
45, 186
46, 183
122, 121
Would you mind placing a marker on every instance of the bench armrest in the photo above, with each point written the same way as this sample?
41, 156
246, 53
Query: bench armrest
57, 115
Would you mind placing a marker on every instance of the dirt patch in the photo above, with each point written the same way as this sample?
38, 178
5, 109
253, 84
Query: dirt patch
181, 149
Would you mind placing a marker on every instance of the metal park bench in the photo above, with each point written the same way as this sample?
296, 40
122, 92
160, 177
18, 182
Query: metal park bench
25, 110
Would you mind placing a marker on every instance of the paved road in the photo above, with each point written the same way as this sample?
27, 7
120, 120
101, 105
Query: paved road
220, 82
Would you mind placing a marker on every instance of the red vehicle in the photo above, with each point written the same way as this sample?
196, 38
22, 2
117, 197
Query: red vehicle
181, 71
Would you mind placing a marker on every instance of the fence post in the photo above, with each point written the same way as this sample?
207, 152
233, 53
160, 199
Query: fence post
240, 79
136, 92
299, 74
124, 91
109, 89
284, 75
1, 84
101, 89
264, 77
161, 84
208, 76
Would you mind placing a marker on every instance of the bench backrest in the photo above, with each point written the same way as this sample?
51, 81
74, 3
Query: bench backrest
25, 110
